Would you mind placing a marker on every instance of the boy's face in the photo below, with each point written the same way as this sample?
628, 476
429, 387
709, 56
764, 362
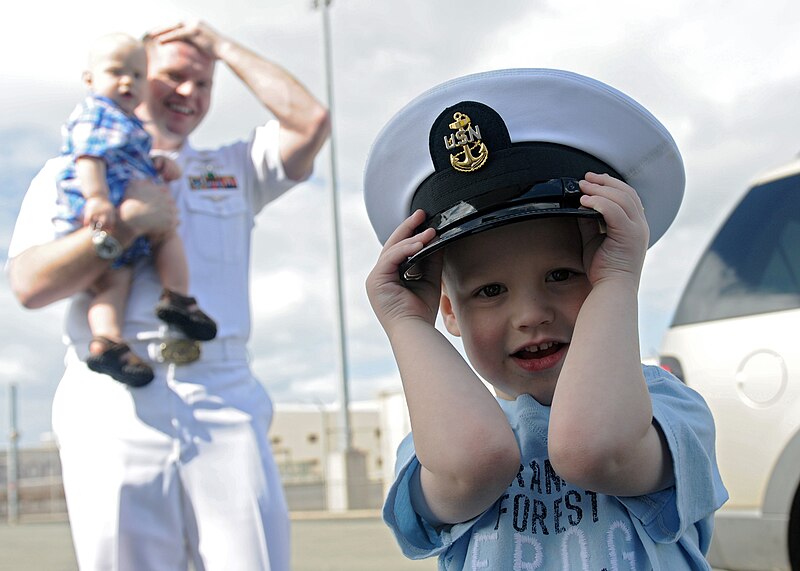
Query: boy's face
120, 74
513, 295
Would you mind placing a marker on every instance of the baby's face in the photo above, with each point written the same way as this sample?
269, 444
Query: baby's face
513, 295
121, 75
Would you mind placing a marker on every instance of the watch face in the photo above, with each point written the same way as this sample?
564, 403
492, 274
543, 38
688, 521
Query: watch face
106, 246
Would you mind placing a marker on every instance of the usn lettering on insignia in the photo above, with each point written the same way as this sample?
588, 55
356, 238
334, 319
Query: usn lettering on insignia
473, 153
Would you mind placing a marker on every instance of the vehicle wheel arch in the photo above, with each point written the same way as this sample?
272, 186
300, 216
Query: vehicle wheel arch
784, 482
782, 497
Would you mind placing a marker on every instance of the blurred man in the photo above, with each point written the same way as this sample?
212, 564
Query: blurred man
180, 470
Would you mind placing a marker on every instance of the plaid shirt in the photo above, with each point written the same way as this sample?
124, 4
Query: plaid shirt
99, 128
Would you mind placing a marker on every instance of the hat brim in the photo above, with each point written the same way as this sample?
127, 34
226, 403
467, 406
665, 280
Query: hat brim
411, 269
544, 105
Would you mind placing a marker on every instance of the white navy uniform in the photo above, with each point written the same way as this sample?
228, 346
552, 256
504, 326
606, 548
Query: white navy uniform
184, 461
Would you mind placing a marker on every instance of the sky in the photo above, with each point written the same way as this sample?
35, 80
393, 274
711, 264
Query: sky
721, 76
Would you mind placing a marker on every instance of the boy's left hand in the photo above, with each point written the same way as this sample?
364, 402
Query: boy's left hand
620, 253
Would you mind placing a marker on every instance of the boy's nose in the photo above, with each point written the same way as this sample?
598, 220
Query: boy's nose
532, 311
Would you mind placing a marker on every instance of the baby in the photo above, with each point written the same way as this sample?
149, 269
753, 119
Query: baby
106, 147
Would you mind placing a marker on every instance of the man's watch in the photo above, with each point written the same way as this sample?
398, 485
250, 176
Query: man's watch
105, 245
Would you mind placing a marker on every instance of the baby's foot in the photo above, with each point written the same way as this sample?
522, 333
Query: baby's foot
183, 312
116, 360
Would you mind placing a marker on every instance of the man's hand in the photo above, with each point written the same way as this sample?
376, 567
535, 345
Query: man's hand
196, 32
148, 210
99, 210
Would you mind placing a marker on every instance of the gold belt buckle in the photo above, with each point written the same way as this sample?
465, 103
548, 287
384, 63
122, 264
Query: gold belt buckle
180, 351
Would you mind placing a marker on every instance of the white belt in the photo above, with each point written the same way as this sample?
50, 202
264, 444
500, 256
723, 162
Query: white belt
183, 351
180, 350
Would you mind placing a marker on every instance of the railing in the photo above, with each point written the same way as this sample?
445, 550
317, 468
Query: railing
42, 496
36, 497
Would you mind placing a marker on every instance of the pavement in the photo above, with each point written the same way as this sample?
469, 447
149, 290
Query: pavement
354, 541
320, 542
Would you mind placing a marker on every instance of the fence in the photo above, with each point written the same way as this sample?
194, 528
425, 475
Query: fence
40, 493
39, 489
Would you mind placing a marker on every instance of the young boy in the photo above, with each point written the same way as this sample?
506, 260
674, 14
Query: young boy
526, 233
107, 146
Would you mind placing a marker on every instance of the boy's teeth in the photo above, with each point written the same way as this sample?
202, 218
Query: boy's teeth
542, 347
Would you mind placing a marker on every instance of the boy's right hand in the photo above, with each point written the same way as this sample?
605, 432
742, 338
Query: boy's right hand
99, 210
393, 299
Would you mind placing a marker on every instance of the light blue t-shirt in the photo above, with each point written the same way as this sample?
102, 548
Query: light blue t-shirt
544, 522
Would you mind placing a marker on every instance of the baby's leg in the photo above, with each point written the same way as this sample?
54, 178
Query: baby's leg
107, 353
176, 307
170, 261
107, 307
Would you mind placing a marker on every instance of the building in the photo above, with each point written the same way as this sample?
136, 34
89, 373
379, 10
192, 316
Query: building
305, 441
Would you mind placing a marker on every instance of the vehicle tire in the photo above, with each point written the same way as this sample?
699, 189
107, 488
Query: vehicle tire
794, 533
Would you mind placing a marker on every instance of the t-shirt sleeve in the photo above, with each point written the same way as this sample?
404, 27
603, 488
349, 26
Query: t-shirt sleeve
34, 225
416, 537
269, 178
698, 492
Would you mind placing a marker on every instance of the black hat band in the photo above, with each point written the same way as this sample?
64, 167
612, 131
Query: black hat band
448, 196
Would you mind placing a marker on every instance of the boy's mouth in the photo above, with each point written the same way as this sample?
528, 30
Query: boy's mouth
538, 351
541, 357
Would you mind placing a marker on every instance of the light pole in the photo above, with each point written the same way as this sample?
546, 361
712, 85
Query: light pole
346, 474
345, 436
12, 460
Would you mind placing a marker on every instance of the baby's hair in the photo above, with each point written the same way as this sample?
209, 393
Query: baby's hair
104, 44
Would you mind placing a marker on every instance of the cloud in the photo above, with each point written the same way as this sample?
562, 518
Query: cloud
721, 76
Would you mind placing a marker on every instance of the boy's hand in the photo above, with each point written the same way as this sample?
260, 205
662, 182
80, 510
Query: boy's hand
99, 209
166, 167
393, 299
620, 253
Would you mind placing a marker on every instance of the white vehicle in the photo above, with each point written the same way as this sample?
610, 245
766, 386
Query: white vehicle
735, 338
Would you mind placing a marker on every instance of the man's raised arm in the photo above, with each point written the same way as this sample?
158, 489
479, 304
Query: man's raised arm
305, 123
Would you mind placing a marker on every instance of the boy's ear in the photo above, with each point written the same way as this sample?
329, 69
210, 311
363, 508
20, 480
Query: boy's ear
448, 315
86, 77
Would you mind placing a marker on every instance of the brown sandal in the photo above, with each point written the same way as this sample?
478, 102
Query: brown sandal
182, 312
119, 362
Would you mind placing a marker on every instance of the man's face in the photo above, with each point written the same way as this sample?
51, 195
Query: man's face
180, 78
513, 295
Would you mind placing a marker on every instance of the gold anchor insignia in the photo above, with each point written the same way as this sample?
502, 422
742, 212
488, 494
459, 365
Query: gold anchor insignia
473, 152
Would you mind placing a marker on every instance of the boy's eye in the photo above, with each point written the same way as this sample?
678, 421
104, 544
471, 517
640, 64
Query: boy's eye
560, 275
491, 290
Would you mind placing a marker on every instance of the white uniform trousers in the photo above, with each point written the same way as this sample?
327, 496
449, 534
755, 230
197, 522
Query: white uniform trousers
180, 470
